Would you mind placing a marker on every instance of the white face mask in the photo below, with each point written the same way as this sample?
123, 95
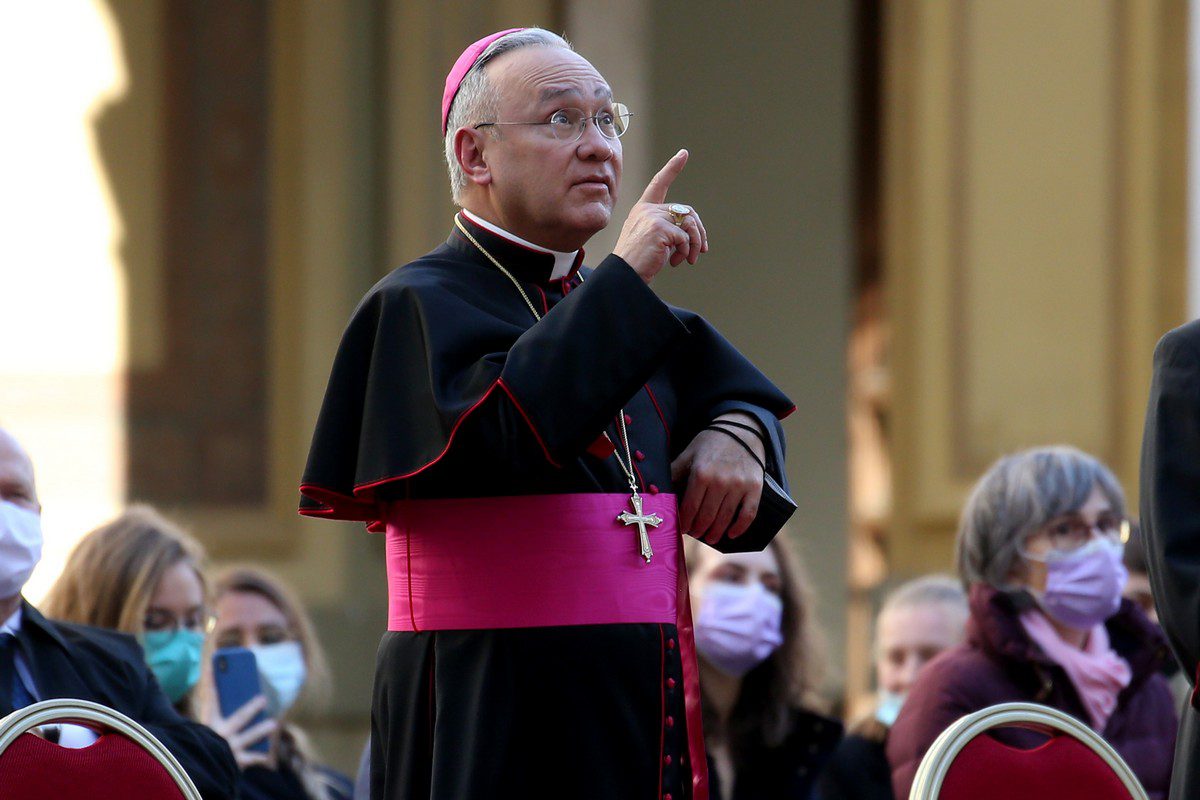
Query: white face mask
20, 546
281, 668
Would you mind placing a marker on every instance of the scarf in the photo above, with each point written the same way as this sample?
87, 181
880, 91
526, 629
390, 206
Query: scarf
1097, 672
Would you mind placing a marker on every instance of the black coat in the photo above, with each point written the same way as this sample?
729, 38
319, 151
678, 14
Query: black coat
857, 770
787, 771
85, 663
1170, 499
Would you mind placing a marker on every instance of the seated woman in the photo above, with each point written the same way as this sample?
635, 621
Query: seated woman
256, 611
759, 669
142, 575
1039, 548
917, 621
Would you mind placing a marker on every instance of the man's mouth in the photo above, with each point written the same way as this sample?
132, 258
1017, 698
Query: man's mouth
593, 182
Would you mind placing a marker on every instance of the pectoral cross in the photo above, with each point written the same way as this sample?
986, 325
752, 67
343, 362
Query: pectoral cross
641, 520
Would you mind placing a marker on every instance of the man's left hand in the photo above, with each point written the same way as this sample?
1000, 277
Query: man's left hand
724, 484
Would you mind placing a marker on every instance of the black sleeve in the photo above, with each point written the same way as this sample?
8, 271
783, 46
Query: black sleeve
420, 368
1170, 492
711, 377
203, 753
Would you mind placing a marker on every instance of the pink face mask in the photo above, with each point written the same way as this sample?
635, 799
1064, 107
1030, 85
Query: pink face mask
1083, 588
738, 626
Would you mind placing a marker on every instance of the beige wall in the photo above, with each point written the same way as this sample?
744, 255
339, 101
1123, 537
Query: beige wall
1034, 195
761, 94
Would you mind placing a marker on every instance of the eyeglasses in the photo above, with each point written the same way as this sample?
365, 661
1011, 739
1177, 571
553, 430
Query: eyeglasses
1071, 531
157, 619
568, 124
242, 636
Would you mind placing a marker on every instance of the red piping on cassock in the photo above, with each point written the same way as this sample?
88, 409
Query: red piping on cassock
691, 680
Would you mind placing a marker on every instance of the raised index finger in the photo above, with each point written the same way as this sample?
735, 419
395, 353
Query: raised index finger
656, 190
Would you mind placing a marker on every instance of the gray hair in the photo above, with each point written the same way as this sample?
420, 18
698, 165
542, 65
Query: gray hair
1019, 494
477, 99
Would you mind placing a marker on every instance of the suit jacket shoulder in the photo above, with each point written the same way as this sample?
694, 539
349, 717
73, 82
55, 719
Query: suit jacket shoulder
107, 667
1181, 341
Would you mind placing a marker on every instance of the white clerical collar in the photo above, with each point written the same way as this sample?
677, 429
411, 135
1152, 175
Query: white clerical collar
12, 624
563, 262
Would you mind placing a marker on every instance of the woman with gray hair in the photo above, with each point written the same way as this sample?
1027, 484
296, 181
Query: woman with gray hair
1039, 552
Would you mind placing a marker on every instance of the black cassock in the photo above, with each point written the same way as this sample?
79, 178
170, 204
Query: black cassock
444, 386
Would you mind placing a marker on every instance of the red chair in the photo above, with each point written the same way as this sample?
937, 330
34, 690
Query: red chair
125, 762
1075, 763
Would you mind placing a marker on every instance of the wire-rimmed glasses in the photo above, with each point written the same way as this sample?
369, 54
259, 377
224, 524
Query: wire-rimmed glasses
568, 124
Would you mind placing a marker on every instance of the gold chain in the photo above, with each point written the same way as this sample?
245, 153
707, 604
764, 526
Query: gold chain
628, 470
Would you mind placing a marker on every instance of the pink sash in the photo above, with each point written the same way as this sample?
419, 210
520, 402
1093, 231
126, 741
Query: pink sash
538, 561
527, 562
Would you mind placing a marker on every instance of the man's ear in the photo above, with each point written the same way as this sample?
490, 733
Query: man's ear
469, 146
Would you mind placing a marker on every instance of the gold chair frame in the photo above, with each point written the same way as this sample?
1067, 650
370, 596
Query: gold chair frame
931, 773
67, 710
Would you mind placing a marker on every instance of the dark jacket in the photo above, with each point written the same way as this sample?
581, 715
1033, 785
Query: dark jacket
858, 769
999, 663
261, 783
1170, 492
85, 663
785, 772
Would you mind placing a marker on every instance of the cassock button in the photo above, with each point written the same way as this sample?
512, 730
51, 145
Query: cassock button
670, 644
652, 489
667, 760
667, 796
670, 722
639, 455
670, 683
628, 419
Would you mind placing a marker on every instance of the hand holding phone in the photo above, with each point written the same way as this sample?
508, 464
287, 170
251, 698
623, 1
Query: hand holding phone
243, 721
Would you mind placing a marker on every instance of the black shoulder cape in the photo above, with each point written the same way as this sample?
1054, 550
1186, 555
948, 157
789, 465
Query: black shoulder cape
443, 368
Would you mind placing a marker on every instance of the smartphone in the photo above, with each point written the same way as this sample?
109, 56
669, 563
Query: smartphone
235, 674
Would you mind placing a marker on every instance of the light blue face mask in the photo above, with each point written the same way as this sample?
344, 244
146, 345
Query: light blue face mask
889, 707
174, 658
281, 668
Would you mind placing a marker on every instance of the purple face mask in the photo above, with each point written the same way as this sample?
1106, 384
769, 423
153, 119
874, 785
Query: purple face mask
738, 626
1083, 588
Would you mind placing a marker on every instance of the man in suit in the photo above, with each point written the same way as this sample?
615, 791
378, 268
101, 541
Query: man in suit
40, 659
1170, 507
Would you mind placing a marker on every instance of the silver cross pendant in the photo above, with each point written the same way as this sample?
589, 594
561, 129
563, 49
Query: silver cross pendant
641, 520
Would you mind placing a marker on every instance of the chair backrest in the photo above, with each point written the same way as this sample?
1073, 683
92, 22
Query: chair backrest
1074, 763
126, 761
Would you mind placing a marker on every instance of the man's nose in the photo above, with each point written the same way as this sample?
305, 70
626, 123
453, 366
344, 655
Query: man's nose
593, 144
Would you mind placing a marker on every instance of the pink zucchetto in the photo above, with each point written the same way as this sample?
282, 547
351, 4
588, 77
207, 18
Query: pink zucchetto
462, 66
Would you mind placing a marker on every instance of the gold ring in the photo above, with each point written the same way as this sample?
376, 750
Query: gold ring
678, 212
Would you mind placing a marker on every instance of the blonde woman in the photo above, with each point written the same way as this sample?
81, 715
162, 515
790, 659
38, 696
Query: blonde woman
918, 620
760, 665
142, 575
256, 611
